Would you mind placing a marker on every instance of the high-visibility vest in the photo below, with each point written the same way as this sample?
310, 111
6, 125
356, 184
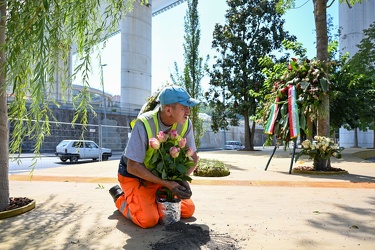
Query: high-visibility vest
150, 121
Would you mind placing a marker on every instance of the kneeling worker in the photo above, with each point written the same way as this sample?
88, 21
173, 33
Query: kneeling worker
136, 199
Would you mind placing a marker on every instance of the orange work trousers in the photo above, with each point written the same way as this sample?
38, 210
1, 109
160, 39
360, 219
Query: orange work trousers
138, 203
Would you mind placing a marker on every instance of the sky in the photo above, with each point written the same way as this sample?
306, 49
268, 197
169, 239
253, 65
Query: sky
168, 38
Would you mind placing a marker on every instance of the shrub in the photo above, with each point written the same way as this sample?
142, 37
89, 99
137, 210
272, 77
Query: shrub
211, 168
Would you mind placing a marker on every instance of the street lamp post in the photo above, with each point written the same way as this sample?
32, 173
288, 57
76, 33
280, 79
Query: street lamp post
104, 102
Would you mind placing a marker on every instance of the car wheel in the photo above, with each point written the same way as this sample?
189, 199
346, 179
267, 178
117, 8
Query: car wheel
105, 157
73, 158
63, 159
94, 159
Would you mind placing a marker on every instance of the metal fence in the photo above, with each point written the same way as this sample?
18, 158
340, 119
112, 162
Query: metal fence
108, 136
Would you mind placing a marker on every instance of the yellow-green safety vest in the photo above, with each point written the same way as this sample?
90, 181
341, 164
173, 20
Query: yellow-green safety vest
150, 121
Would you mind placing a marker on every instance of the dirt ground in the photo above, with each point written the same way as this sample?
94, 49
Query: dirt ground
186, 236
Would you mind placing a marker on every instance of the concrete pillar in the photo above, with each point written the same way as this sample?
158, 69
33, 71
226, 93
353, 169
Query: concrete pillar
353, 21
136, 30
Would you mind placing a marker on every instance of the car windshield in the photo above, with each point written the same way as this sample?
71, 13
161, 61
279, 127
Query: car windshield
63, 143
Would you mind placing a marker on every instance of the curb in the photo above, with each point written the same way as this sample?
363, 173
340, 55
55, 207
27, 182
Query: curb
17, 211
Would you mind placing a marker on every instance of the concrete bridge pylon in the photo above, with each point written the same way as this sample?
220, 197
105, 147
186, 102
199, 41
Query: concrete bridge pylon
136, 42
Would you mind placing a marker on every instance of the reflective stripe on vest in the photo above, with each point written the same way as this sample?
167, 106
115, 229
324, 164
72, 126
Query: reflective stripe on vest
150, 121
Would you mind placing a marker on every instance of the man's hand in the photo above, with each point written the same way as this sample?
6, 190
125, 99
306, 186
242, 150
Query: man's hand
186, 185
182, 190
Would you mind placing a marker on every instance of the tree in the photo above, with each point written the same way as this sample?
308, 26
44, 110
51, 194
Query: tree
349, 86
253, 29
354, 84
320, 17
35, 41
194, 68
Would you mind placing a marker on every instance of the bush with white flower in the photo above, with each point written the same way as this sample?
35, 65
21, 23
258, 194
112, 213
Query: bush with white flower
321, 148
171, 158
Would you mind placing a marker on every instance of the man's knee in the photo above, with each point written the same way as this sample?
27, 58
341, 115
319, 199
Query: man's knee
146, 221
187, 208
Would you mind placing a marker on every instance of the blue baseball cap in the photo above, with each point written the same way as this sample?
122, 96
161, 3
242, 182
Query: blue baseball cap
174, 94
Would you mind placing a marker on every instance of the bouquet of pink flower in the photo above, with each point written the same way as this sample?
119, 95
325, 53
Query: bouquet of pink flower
171, 158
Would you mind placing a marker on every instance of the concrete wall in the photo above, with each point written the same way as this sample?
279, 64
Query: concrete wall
114, 134
365, 138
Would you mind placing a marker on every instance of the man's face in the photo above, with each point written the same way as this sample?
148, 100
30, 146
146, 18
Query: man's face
179, 113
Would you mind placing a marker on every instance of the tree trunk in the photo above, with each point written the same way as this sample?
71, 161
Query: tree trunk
4, 155
355, 138
252, 135
320, 16
248, 137
322, 164
310, 127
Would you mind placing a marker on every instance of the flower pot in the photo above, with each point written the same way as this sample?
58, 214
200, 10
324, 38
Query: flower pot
170, 212
321, 164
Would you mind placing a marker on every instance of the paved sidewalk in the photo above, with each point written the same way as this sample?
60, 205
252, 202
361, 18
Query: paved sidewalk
249, 209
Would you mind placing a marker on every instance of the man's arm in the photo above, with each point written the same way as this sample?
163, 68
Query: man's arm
141, 171
195, 160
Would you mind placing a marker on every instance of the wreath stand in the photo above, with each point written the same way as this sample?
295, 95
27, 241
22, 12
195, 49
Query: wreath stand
291, 162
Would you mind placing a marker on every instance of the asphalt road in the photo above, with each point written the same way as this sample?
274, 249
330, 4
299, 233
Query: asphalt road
27, 162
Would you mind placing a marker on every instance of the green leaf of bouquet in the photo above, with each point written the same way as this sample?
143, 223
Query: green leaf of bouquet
314, 151
284, 109
155, 157
181, 168
276, 129
155, 172
286, 122
302, 122
164, 175
189, 164
324, 84
160, 167
168, 158
298, 156
304, 85
187, 178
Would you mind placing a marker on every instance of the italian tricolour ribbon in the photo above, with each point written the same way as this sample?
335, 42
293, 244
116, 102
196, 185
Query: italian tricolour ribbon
293, 112
272, 118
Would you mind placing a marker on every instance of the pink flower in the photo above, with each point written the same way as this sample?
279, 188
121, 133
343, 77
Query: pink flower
190, 152
154, 143
173, 134
162, 137
182, 142
174, 152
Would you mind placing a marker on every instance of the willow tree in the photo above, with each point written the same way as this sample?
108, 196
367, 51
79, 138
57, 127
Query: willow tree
35, 45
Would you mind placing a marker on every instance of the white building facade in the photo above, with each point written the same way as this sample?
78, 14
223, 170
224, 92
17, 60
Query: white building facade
352, 22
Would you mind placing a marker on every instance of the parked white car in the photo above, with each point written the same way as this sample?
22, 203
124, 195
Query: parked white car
233, 145
81, 149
